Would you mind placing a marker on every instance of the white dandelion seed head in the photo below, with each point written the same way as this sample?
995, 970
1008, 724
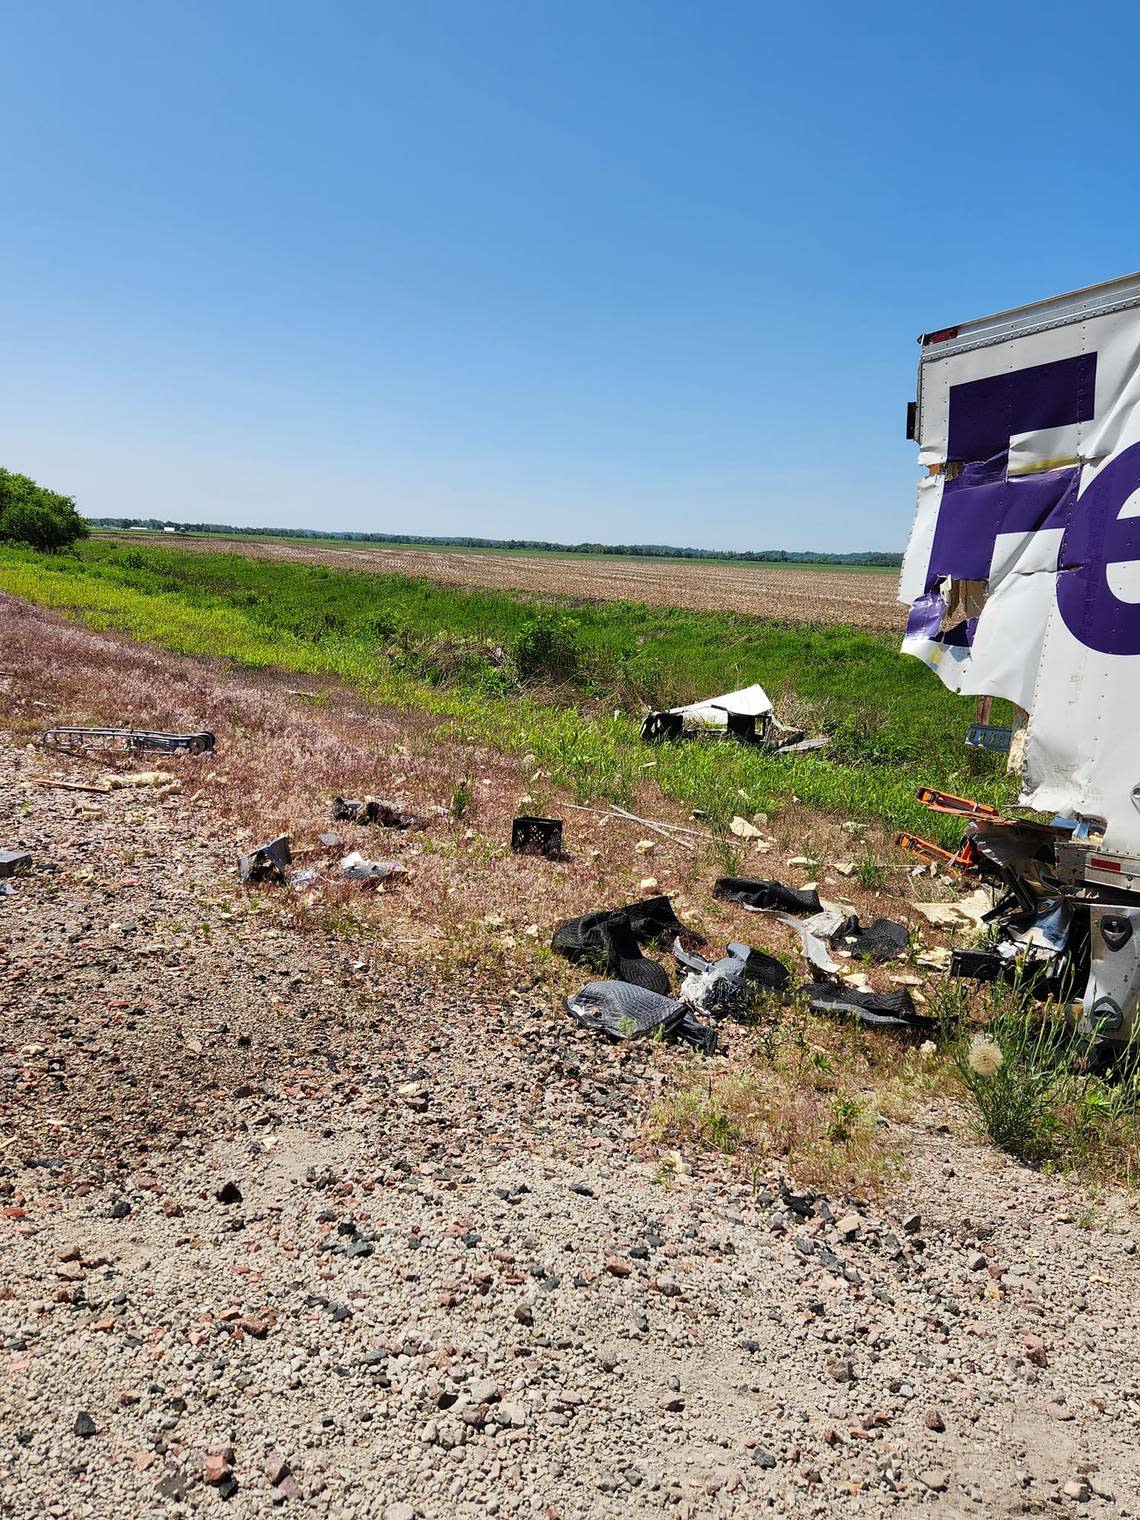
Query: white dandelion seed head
985, 1058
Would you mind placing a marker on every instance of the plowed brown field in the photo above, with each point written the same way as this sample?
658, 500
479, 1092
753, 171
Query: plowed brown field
863, 598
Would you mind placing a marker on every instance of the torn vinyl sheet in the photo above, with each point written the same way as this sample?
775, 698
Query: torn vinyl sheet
1023, 568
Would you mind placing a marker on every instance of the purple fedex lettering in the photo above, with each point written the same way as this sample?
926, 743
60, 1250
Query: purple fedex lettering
1096, 537
980, 502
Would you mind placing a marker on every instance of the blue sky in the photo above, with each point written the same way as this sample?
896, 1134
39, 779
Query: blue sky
634, 272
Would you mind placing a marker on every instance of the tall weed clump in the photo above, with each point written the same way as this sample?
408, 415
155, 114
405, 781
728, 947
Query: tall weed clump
1040, 1090
548, 649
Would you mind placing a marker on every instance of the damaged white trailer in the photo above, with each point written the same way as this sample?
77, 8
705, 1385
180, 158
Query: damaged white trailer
1023, 579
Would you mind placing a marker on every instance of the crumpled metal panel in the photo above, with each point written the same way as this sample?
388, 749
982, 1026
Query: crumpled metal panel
748, 702
1032, 448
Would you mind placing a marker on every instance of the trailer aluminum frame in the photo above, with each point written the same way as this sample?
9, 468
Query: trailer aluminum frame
82, 741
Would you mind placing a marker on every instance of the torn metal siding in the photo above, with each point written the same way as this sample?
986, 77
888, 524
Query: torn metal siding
1030, 437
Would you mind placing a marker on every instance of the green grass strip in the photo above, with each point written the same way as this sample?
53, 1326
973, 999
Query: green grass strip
894, 726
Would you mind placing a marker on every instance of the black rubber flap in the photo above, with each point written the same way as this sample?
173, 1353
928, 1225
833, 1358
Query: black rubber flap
624, 1012
755, 892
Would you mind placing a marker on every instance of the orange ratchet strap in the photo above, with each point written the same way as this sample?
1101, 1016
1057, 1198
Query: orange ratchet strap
961, 807
964, 860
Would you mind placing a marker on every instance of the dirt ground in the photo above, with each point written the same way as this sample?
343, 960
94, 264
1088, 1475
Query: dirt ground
338, 1212
863, 598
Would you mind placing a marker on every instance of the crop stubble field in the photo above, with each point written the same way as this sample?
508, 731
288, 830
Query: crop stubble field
863, 598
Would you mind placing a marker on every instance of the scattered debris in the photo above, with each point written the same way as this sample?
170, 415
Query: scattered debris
731, 984
813, 932
537, 836
966, 912
69, 786
356, 868
141, 779
745, 830
995, 738
934, 958
676, 833
135, 740
745, 715
879, 1010
606, 941
374, 810
610, 940
13, 861
883, 940
985, 965
1065, 916
266, 862
755, 892
625, 1012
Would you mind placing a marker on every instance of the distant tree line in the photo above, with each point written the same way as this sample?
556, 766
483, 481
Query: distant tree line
31, 514
641, 551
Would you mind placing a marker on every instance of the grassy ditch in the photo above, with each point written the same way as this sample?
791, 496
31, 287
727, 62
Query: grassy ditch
567, 682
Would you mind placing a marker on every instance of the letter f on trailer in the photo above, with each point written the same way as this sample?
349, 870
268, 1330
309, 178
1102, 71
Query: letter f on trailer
1022, 576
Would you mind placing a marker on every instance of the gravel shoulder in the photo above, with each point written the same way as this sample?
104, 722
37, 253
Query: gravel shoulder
284, 1223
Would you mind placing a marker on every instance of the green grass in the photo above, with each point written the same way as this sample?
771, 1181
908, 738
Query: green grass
406, 641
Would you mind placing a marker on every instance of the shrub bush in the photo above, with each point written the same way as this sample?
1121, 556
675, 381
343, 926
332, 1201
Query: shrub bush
31, 515
548, 648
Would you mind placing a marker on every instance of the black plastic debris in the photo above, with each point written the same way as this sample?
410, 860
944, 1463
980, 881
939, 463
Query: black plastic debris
134, 740
610, 940
606, 942
883, 940
373, 810
755, 892
730, 985
267, 862
879, 1010
537, 836
652, 920
14, 861
700, 1036
980, 965
659, 727
624, 1012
